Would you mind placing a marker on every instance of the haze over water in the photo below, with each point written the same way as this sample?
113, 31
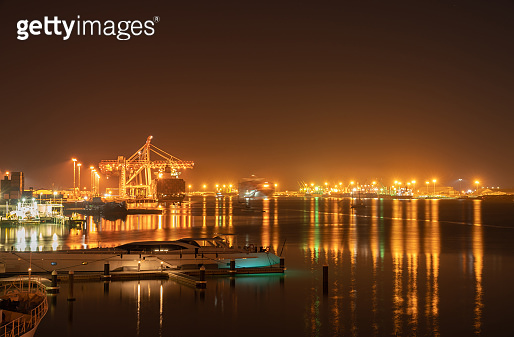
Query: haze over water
420, 267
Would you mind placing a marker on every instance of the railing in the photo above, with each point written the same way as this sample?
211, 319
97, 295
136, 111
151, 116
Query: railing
28, 321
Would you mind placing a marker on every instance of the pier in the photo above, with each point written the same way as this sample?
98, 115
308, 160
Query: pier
191, 277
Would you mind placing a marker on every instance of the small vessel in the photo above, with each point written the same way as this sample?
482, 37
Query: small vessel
23, 304
185, 253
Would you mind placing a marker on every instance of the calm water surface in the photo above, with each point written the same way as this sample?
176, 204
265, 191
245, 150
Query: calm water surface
425, 267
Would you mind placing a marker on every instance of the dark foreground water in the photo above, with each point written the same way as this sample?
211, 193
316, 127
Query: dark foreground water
425, 268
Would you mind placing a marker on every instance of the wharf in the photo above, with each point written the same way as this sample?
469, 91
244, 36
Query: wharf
189, 277
130, 211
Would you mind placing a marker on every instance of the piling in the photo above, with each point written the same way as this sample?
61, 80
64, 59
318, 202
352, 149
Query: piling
202, 284
70, 292
106, 275
325, 280
232, 266
282, 263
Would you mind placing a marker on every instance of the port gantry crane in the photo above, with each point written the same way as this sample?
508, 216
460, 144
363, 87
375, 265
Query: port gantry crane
138, 172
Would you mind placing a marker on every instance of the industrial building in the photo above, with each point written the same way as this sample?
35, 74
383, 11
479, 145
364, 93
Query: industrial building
12, 188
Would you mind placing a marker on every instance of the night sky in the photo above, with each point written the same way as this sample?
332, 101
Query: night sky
292, 91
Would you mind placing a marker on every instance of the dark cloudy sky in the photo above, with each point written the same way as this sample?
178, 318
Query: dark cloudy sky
289, 90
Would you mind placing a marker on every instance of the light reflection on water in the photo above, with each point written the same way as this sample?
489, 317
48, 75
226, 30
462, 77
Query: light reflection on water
396, 267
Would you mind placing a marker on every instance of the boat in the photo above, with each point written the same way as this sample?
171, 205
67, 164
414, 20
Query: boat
23, 304
30, 212
185, 253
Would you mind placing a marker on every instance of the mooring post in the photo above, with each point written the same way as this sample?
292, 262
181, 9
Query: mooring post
54, 279
53, 289
282, 263
202, 284
232, 265
70, 292
325, 279
106, 274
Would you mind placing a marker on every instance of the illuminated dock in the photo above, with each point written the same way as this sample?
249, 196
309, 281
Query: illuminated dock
190, 277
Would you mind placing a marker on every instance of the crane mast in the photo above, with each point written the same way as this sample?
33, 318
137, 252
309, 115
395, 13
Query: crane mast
139, 175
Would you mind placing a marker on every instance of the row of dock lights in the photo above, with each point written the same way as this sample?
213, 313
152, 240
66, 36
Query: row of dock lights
220, 187
398, 187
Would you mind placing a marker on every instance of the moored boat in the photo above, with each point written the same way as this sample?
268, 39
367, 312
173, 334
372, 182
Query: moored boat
23, 304
141, 256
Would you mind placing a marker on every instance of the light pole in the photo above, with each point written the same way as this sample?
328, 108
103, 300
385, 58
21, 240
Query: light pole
414, 187
460, 186
427, 185
92, 170
97, 185
79, 165
434, 184
477, 182
74, 168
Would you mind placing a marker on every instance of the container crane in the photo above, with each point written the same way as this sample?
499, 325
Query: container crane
139, 174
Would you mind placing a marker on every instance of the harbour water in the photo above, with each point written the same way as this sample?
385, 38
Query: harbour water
396, 267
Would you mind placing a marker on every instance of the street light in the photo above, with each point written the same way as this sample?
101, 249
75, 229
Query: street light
434, 180
477, 182
79, 165
97, 185
460, 186
427, 182
92, 170
74, 168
